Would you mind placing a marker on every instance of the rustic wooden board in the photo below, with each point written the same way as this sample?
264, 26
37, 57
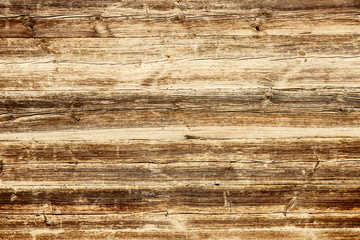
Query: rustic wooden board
189, 119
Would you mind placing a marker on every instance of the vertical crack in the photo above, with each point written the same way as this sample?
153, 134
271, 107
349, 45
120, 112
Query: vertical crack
1, 167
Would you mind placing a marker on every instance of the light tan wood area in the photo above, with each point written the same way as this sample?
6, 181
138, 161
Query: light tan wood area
188, 119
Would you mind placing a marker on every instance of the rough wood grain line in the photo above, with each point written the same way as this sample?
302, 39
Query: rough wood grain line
184, 133
32, 111
184, 199
204, 23
143, 50
276, 151
253, 234
193, 73
67, 58
198, 173
57, 7
164, 221
198, 162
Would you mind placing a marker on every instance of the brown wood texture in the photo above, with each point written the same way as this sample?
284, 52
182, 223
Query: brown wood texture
188, 119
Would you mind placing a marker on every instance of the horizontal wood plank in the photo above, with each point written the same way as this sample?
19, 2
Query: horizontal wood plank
265, 151
153, 63
201, 23
184, 199
253, 234
225, 173
57, 111
165, 221
197, 162
146, 50
57, 7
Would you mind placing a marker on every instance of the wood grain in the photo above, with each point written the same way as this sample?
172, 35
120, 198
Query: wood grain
218, 62
162, 119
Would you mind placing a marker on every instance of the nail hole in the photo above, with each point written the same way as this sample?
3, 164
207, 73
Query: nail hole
268, 96
98, 18
257, 28
76, 118
342, 110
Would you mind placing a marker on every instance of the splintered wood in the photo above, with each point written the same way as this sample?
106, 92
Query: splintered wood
189, 119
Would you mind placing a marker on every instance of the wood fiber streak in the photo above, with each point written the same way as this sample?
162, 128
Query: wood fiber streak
85, 110
224, 173
292, 162
188, 199
280, 151
194, 23
191, 119
169, 64
40, 6
149, 233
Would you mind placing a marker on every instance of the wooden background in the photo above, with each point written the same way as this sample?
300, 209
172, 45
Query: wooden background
188, 119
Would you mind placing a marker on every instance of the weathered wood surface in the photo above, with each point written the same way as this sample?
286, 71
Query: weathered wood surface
162, 119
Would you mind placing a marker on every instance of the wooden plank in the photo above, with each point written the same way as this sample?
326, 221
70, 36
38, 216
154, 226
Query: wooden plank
336, 71
180, 24
225, 173
57, 7
23, 112
298, 72
265, 151
282, 62
184, 133
162, 221
127, 51
198, 162
180, 199
285, 233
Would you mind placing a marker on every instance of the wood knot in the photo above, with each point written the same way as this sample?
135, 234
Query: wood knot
343, 110
98, 18
265, 13
302, 53
256, 26
175, 107
76, 118
178, 18
28, 22
101, 28
13, 197
268, 96
11, 118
